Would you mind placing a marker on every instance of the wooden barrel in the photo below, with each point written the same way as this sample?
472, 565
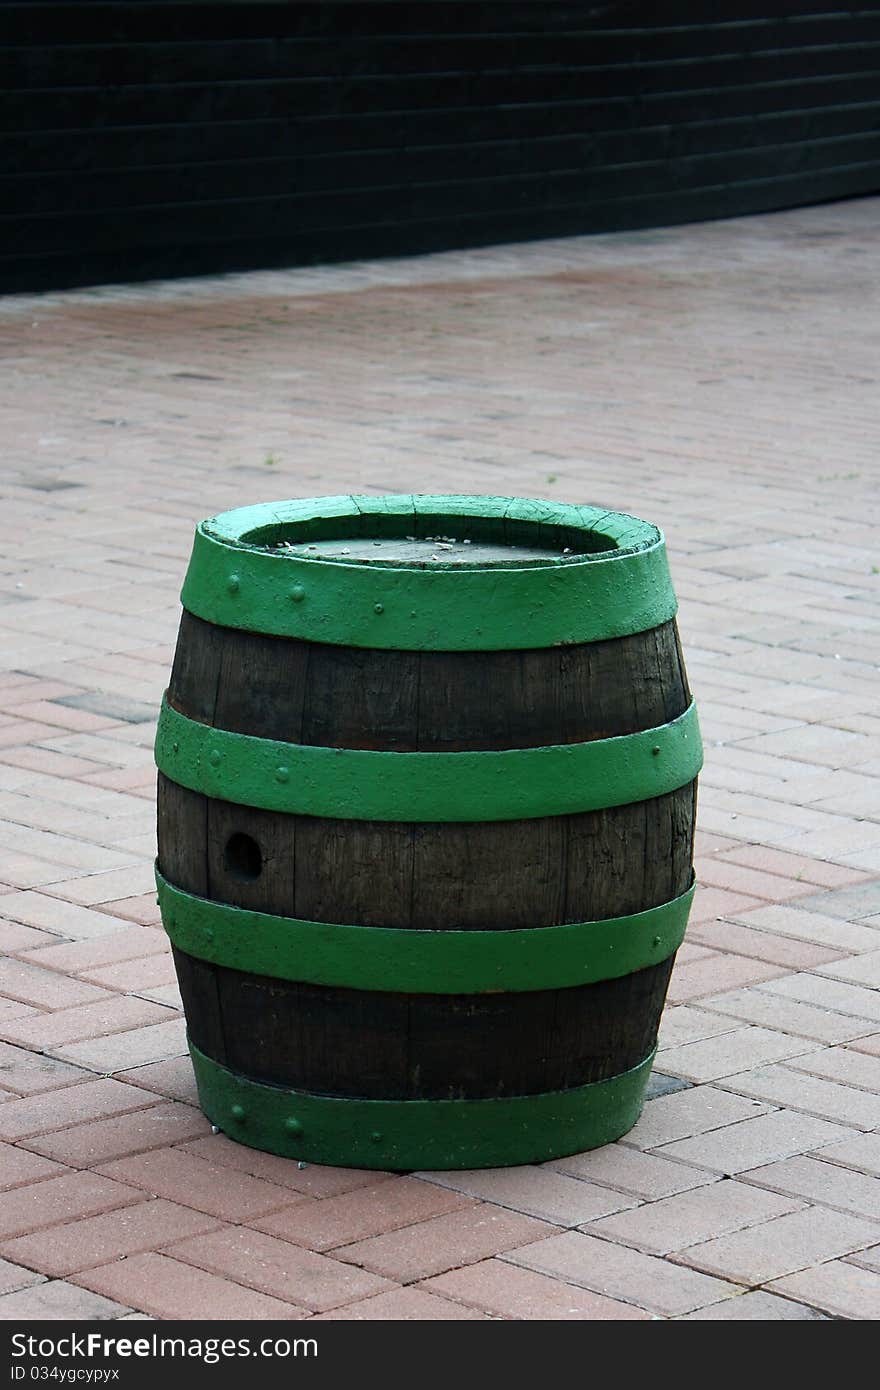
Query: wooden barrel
426, 811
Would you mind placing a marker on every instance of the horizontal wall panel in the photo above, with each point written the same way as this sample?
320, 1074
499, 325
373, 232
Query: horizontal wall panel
96, 106
544, 133
83, 22
128, 64
542, 168
213, 107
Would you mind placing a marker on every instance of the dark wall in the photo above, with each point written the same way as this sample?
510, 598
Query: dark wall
155, 139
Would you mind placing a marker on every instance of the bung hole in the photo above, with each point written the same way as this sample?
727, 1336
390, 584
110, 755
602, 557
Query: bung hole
242, 857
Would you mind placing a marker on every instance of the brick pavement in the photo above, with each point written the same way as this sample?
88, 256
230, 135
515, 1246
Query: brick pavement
718, 379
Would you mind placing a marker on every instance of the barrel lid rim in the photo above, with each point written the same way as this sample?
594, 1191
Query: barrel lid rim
632, 535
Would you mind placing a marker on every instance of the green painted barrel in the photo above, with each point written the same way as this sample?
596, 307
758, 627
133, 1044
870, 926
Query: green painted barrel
426, 813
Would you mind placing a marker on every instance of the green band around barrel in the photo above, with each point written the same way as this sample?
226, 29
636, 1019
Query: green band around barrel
622, 588
421, 962
363, 784
419, 1134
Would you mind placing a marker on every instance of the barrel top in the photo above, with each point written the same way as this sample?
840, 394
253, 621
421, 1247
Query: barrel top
421, 572
433, 531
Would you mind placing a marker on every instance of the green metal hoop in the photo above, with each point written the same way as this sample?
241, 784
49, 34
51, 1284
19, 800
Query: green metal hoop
421, 962
365, 784
234, 581
413, 1134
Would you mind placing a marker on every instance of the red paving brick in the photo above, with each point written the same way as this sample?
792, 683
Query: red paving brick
10, 1008
133, 779
67, 919
546, 1193
720, 871
23, 870
21, 1119
45, 760
78, 957
142, 908
736, 939
401, 1305
18, 731
711, 903
459, 1238
800, 868
278, 1268
18, 1167
367, 1211
61, 715
101, 889
638, 1174
173, 1078
112, 1235
17, 939
86, 1022
774, 1008
183, 1177
310, 1179
164, 1037
87, 1145
62, 1199
44, 988
506, 1290
134, 976
27, 1073
711, 974
165, 1288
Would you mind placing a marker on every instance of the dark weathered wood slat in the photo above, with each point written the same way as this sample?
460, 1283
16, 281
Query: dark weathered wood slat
493, 875
419, 1047
182, 826
345, 697
200, 992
